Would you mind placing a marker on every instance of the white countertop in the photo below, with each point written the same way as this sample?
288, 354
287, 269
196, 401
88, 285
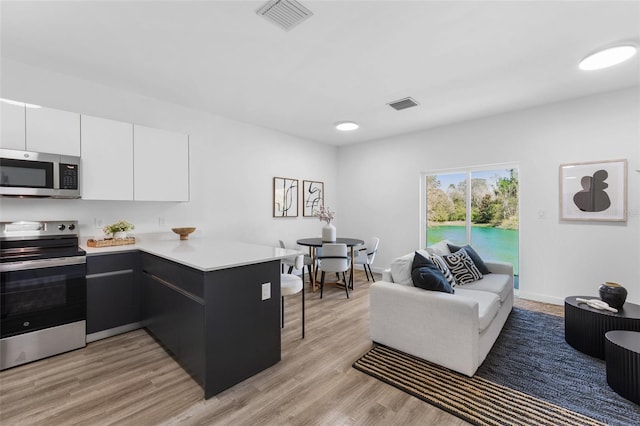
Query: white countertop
199, 253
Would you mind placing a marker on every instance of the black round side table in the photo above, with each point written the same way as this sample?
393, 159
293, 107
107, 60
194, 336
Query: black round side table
623, 363
585, 327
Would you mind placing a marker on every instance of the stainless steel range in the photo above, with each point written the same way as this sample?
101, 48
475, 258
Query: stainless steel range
43, 294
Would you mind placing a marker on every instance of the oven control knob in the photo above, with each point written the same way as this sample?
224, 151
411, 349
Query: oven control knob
61, 227
26, 324
72, 227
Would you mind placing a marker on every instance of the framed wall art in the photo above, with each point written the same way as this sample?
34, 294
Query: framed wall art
312, 197
285, 197
594, 191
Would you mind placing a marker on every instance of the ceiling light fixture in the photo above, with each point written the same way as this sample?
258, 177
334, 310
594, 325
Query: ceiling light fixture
346, 126
608, 57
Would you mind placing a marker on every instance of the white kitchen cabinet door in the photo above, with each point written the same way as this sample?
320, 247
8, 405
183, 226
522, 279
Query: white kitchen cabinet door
161, 165
106, 167
12, 126
53, 130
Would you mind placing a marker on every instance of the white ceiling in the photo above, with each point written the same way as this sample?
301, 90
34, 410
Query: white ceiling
459, 60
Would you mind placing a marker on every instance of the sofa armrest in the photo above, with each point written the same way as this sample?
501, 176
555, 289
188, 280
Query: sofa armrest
426, 324
498, 267
386, 275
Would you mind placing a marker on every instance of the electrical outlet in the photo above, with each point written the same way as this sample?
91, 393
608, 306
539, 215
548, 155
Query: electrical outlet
266, 291
98, 223
161, 220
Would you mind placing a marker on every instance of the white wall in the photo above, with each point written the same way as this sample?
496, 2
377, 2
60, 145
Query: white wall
232, 165
380, 189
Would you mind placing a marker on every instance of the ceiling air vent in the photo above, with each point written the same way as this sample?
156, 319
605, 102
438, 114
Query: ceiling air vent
403, 104
284, 13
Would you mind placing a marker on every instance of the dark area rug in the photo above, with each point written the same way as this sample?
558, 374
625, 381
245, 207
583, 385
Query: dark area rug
530, 377
531, 356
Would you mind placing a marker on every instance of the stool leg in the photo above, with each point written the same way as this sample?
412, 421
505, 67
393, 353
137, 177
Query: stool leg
303, 302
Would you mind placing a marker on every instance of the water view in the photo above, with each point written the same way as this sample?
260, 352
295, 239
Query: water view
490, 243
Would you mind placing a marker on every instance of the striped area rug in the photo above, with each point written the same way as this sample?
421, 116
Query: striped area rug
473, 399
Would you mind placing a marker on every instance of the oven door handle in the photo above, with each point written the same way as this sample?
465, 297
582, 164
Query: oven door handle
42, 263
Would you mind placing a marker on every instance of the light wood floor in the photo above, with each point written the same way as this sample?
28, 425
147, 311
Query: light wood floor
130, 380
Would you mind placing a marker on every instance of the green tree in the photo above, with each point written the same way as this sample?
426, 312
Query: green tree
506, 192
439, 205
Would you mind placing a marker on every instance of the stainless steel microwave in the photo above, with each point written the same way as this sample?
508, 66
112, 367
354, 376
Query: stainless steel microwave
35, 174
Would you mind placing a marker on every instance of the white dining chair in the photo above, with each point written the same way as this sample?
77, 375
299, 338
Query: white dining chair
366, 255
291, 284
334, 258
290, 261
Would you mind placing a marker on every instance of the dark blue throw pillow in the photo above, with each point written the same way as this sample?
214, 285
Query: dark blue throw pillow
477, 260
427, 276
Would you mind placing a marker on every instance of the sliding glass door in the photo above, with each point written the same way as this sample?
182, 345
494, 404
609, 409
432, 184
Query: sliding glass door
477, 207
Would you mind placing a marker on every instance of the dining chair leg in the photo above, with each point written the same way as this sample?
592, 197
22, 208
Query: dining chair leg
346, 284
321, 284
290, 269
365, 271
371, 272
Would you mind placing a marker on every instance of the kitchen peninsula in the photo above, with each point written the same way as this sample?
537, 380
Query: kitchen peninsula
215, 306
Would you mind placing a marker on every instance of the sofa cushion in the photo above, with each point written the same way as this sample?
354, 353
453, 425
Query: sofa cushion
462, 267
401, 268
440, 248
498, 284
488, 305
426, 275
477, 260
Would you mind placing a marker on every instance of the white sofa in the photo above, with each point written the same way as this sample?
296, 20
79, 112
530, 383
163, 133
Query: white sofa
456, 330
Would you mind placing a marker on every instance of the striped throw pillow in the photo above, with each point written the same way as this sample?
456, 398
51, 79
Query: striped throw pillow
442, 265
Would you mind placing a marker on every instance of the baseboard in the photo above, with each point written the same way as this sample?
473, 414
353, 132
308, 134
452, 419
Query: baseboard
113, 332
540, 298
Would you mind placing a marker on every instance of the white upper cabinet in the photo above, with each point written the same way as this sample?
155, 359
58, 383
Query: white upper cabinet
12, 126
161, 165
107, 159
52, 130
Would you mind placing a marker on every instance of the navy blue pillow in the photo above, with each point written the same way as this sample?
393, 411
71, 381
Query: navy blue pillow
426, 275
477, 260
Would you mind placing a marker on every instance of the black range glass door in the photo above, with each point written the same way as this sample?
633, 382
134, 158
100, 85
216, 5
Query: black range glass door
41, 297
26, 173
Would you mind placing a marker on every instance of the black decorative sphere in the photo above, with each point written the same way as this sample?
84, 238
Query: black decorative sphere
614, 294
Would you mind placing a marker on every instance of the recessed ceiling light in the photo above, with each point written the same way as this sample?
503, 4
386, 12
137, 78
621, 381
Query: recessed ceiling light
347, 126
608, 57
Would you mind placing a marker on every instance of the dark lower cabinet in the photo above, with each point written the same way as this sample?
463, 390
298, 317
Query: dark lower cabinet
177, 321
160, 311
113, 291
214, 323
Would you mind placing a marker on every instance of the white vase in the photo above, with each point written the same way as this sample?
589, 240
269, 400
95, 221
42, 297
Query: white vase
329, 233
120, 235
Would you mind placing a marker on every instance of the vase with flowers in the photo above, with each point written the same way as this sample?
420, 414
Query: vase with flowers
328, 230
118, 230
